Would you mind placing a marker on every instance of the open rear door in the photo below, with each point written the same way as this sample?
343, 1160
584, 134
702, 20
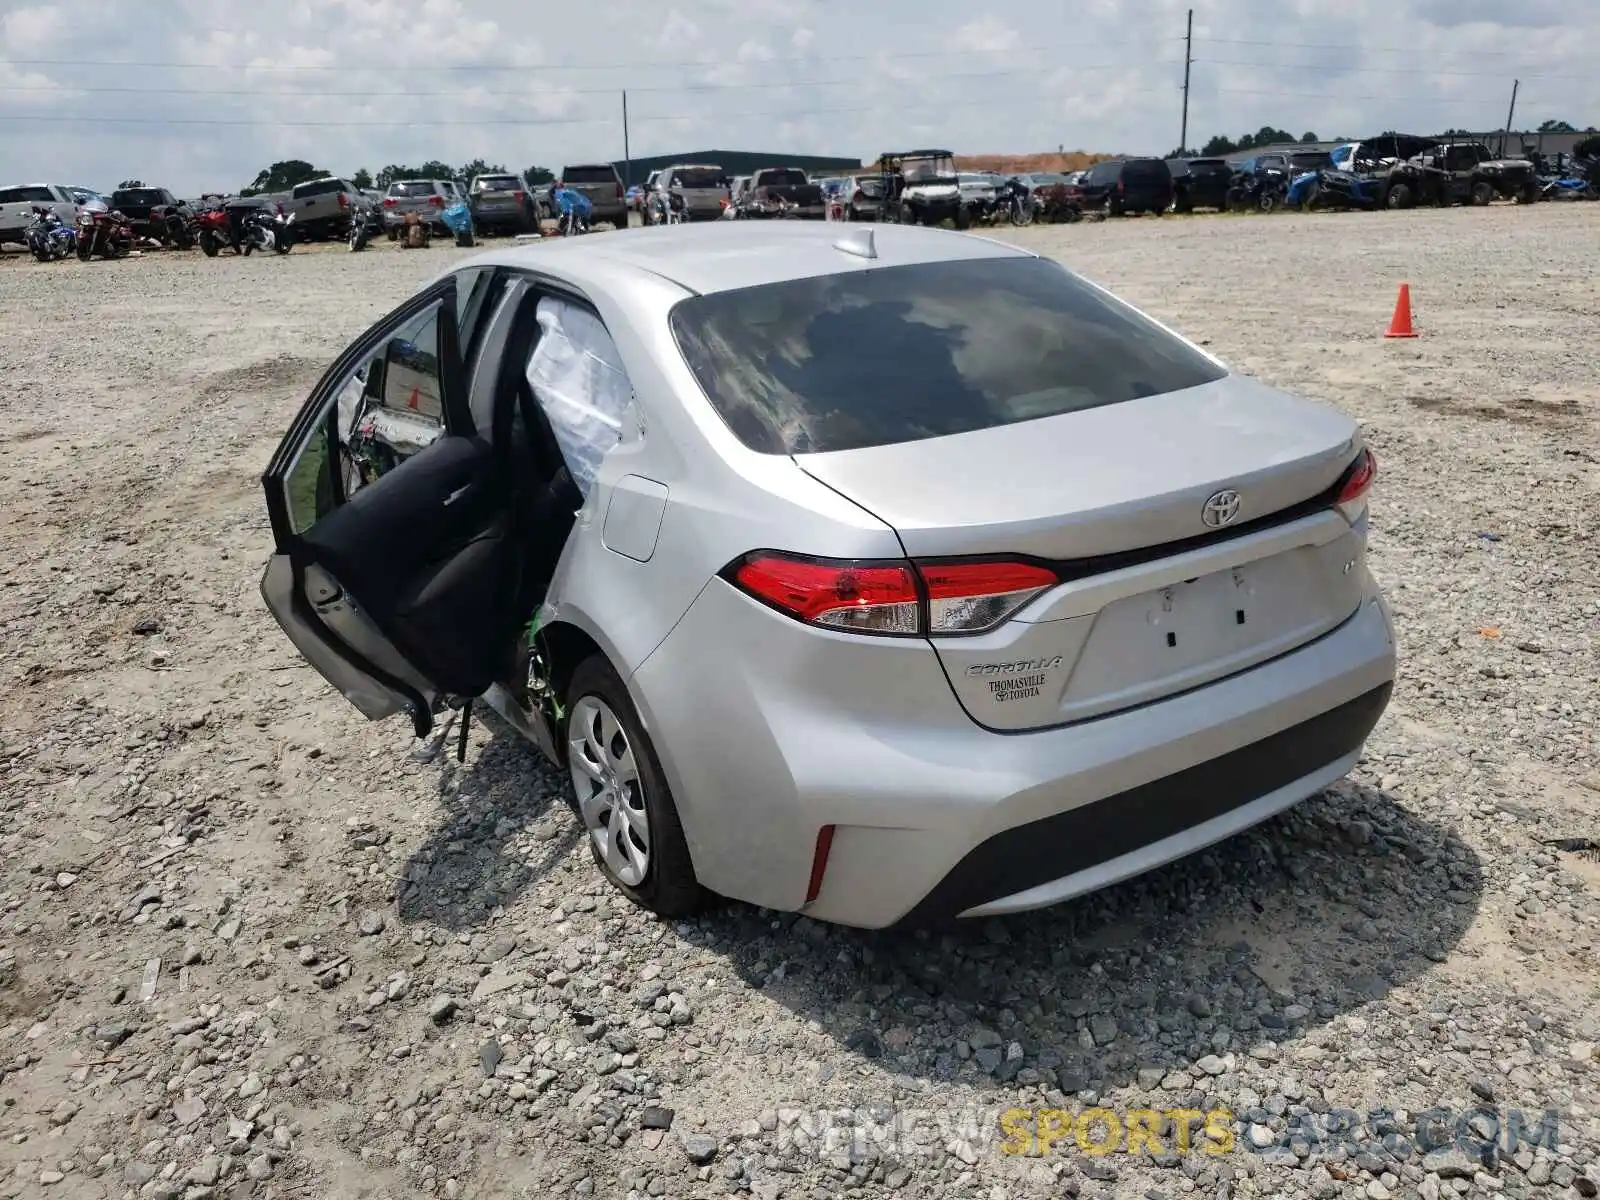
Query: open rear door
396, 571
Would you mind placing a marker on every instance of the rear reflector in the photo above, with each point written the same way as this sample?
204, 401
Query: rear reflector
819, 862
970, 597
891, 598
1358, 479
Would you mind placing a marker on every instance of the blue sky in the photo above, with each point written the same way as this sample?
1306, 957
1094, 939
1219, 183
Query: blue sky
221, 90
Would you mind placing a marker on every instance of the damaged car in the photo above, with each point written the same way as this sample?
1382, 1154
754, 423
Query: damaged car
879, 573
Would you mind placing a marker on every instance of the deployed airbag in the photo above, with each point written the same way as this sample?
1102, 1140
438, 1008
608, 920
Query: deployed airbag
578, 380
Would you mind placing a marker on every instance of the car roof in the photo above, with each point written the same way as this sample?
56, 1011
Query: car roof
719, 256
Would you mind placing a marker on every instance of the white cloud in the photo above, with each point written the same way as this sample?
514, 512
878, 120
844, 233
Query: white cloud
352, 83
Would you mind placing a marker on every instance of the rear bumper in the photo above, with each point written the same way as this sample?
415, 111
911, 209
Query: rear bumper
769, 730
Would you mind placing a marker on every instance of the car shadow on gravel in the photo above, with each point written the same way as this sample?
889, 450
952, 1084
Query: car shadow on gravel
1281, 928
478, 860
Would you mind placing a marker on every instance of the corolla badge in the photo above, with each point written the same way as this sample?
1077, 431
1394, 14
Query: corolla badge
1220, 508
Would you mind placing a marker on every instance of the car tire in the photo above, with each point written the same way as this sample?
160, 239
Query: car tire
608, 751
1482, 193
1398, 196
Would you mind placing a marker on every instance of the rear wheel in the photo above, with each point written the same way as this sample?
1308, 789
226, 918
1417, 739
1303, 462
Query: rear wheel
1482, 193
208, 243
1399, 195
85, 247
963, 217
622, 797
1528, 193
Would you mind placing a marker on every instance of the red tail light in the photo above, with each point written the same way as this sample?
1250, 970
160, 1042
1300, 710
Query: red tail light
388, 201
344, 200
619, 191
894, 597
436, 201
1358, 480
859, 194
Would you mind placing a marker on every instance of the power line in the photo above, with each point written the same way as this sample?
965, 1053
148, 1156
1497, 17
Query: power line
487, 121
524, 95
615, 66
1364, 49
1281, 66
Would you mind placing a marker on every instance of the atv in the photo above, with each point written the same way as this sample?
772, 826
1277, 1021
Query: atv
921, 187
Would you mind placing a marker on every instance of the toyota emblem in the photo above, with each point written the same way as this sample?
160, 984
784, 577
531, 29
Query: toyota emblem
1220, 509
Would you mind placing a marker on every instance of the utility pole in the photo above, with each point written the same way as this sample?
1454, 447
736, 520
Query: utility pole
1510, 115
1188, 61
627, 154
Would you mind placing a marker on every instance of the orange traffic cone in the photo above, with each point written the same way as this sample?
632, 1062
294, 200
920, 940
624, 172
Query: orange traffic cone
1400, 323
415, 403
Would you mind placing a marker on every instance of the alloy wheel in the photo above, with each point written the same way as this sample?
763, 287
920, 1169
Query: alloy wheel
609, 790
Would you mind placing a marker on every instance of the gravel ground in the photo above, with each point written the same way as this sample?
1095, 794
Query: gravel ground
254, 947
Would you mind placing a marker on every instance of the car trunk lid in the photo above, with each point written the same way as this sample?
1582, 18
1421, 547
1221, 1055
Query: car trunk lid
1153, 599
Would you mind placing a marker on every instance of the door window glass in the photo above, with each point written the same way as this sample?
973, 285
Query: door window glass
386, 409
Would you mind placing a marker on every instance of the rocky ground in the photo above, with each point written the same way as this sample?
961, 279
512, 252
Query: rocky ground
254, 947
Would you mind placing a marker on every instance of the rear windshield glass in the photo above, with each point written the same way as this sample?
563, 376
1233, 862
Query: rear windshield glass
870, 185
26, 195
413, 187
1151, 169
1209, 166
497, 183
137, 197
1310, 162
589, 175
319, 187
782, 177
701, 177
870, 358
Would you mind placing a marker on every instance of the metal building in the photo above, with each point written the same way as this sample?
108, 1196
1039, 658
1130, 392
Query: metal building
736, 162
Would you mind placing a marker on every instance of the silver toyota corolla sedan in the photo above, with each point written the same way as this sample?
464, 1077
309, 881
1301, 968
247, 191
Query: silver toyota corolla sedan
885, 574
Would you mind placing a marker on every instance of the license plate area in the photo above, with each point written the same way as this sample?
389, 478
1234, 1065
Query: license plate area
1173, 638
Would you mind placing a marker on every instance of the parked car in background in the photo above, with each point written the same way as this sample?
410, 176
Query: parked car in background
502, 204
427, 198
17, 205
600, 184
1199, 183
322, 207
1124, 186
864, 197
787, 191
702, 187
155, 213
748, 568
977, 190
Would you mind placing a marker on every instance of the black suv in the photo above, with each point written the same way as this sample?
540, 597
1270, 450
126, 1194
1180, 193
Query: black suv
1121, 186
1199, 183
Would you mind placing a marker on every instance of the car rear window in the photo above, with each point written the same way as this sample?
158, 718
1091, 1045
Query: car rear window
871, 358
318, 187
782, 177
497, 183
137, 197
699, 177
1145, 170
1210, 166
26, 195
413, 187
600, 174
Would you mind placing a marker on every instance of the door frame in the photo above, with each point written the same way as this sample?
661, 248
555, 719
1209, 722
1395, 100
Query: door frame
322, 405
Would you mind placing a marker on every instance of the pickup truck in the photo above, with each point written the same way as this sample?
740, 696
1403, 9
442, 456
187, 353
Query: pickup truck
770, 185
600, 184
322, 207
148, 210
703, 188
17, 205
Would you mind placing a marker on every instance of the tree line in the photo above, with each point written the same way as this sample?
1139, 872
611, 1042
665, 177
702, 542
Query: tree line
281, 176
1268, 136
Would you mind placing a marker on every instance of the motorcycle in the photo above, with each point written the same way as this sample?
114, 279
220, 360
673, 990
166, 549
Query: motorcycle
366, 223
49, 237
103, 231
574, 219
1263, 191
266, 229
212, 230
668, 208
